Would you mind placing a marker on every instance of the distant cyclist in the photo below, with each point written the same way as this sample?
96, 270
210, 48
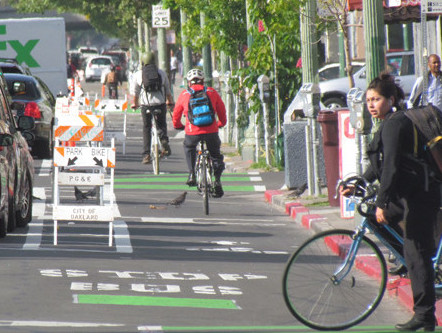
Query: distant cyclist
151, 89
195, 133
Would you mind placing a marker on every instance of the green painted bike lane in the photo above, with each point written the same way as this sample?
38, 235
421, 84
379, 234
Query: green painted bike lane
231, 182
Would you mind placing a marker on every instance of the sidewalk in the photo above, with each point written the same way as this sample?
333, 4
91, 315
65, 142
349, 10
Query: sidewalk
304, 212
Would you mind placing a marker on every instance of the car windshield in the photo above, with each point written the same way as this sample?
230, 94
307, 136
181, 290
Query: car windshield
22, 90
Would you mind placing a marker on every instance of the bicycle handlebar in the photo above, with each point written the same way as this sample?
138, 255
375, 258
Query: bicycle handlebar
363, 193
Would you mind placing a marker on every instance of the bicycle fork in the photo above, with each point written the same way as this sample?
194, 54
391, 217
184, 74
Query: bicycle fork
349, 260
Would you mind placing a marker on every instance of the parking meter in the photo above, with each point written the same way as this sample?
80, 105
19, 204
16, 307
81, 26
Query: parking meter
216, 83
363, 123
264, 88
312, 99
350, 100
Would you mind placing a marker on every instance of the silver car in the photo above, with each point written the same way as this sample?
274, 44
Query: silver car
96, 65
400, 64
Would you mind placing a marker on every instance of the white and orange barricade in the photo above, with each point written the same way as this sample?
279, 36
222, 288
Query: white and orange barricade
83, 164
113, 108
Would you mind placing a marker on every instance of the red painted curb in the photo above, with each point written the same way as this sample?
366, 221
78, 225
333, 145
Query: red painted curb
294, 211
270, 193
289, 205
309, 219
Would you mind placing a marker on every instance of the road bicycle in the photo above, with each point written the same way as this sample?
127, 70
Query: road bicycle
204, 174
337, 278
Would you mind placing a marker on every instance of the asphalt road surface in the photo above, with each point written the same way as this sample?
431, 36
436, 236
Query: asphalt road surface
169, 269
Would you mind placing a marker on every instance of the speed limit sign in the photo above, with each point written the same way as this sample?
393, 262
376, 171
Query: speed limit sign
160, 17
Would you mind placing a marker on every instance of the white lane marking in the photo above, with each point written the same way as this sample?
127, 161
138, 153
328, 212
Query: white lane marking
152, 329
45, 167
34, 235
196, 220
255, 179
122, 237
167, 219
253, 172
36, 323
260, 188
39, 192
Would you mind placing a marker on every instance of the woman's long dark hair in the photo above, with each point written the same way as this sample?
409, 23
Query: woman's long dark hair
385, 86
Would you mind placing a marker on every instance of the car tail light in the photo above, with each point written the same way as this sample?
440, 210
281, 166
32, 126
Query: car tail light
33, 110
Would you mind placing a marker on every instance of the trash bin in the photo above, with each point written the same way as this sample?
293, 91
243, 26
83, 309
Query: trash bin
330, 140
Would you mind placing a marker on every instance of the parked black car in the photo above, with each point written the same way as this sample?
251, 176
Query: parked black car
16, 167
33, 98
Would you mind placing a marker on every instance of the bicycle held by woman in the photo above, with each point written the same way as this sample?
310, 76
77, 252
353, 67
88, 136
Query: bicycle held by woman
204, 174
338, 277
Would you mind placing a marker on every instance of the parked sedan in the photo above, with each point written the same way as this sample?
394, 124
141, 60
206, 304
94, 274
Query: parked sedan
16, 168
33, 98
400, 64
332, 70
96, 66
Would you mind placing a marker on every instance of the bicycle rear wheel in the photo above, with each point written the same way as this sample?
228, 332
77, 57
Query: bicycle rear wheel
155, 155
313, 294
205, 186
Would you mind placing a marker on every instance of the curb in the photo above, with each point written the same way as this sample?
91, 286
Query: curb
396, 286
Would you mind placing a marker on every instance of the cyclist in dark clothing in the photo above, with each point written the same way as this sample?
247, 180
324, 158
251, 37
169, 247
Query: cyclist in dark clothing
393, 161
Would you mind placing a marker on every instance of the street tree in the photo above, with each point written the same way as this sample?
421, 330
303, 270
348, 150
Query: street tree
333, 12
115, 18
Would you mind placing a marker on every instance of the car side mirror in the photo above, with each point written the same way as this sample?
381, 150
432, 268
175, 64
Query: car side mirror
6, 140
25, 123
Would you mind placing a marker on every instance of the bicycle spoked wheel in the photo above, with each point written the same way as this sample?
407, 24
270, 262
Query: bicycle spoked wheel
205, 187
155, 158
312, 292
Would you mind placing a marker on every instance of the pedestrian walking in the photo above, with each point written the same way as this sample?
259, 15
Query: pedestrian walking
434, 92
173, 67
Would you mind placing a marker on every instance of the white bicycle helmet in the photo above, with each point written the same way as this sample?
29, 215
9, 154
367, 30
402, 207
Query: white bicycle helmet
195, 75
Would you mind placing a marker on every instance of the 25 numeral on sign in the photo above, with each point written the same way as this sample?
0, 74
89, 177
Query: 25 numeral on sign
161, 22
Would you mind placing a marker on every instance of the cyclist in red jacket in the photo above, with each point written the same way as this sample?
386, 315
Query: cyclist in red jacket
208, 133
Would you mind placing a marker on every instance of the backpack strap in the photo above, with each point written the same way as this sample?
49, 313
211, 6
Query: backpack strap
422, 163
415, 141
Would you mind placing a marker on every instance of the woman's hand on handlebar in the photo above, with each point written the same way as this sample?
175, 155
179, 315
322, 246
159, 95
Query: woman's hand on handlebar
346, 190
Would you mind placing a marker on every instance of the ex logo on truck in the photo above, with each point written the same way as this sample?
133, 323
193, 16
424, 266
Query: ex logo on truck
23, 51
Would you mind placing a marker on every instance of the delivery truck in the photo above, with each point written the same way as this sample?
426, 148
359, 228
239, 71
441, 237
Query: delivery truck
40, 45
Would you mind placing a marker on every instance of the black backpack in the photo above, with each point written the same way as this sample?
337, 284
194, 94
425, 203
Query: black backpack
428, 121
151, 78
201, 112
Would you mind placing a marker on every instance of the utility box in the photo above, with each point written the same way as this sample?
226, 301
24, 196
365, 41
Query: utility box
295, 160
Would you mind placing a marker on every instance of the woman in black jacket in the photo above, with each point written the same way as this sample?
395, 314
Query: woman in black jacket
393, 161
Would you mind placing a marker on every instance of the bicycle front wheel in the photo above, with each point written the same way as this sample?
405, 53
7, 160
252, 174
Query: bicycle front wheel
323, 292
205, 186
